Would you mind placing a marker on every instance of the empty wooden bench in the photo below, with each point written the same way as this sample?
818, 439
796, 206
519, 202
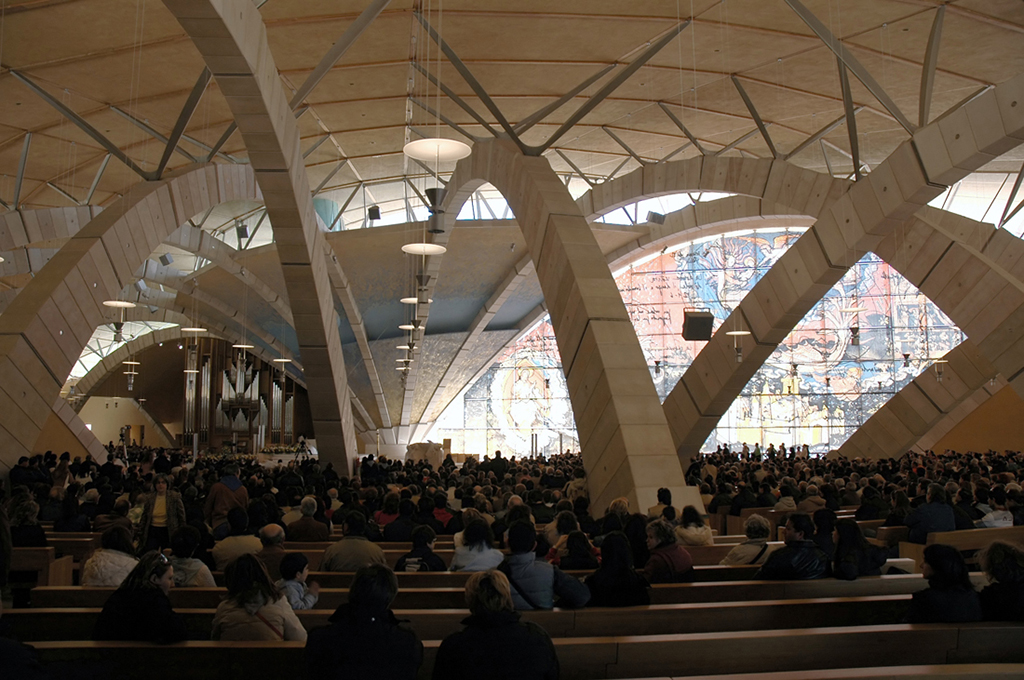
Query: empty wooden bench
49, 570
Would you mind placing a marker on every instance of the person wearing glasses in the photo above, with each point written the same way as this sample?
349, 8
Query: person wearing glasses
140, 610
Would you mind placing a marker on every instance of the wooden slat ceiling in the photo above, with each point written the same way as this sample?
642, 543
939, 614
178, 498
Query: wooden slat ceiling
97, 54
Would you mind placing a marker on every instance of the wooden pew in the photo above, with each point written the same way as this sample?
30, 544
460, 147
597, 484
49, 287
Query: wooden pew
454, 598
49, 570
713, 554
77, 624
890, 536
79, 548
444, 579
973, 671
963, 540
315, 555
784, 650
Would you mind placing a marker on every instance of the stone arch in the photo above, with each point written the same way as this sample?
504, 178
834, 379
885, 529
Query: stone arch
240, 59
847, 227
45, 327
112, 362
626, 445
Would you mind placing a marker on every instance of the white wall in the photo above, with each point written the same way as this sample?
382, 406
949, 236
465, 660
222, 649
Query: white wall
107, 415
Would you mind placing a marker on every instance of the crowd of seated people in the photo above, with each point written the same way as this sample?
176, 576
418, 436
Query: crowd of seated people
520, 526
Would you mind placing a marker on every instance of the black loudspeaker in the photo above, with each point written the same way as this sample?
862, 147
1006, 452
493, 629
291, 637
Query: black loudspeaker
698, 325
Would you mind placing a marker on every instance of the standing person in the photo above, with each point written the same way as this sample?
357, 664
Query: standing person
140, 610
950, 596
225, 495
364, 640
254, 609
494, 642
162, 515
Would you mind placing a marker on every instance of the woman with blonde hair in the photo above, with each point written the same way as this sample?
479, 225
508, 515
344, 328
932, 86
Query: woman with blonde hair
494, 642
755, 549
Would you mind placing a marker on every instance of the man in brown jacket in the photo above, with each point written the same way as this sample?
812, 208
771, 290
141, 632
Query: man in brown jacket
306, 528
225, 495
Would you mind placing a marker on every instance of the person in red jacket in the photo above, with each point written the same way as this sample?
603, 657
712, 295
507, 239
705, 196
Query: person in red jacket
224, 496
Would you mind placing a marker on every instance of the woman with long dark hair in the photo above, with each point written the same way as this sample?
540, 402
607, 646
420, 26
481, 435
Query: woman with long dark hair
254, 609
950, 596
140, 609
854, 556
616, 583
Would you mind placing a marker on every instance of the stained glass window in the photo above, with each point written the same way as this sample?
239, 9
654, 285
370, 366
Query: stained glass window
817, 388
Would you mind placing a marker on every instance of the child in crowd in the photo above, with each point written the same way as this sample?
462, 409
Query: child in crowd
294, 572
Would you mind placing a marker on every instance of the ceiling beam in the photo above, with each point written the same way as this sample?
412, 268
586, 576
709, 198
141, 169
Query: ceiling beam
611, 86
735, 143
457, 99
844, 55
83, 126
338, 50
543, 112
625, 146
851, 116
183, 119
756, 116
819, 134
679, 124
142, 125
931, 58
573, 166
20, 178
330, 176
96, 179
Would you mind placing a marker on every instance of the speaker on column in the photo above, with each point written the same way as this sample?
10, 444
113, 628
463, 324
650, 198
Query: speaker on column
698, 325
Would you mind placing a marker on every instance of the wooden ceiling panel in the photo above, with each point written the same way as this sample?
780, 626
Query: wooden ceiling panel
298, 46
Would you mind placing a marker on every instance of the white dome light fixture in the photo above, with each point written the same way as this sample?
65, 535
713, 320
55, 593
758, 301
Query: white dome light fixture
737, 333
243, 346
193, 329
119, 304
436, 149
281, 361
424, 249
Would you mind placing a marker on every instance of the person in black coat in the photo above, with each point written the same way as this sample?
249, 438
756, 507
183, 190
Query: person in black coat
930, 517
800, 558
950, 596
140, 610
364, 639
400, 530
1003, 599
422, 556
494, 642
853, 555
616, 583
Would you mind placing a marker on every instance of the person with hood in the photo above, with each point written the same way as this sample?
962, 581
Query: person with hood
364, 640
495, 642
692, 530
189, 572
225, 495
110, 565
254, 609
162, 515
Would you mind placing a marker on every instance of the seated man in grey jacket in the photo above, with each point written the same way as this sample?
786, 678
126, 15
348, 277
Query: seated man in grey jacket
535, 583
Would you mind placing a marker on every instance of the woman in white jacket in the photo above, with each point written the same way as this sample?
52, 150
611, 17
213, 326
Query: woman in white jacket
692, 530
109, 565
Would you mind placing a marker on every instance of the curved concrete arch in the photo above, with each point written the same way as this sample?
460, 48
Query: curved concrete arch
916, 172
112, 362
44, 228
232, 39
202, 243
796, 189
625, 441
969, 379
46, 326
